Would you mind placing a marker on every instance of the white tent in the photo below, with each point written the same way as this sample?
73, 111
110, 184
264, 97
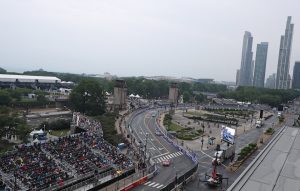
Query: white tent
131, 95
36, 132
137, 96
36, 141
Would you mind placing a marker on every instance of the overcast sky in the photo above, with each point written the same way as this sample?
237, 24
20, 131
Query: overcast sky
191, 38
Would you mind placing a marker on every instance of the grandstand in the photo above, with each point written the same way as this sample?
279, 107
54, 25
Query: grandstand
43, 82
66, 163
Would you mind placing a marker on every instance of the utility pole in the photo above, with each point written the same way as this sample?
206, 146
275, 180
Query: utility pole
145, 152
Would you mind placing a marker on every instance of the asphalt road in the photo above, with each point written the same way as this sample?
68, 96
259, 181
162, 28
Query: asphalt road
143, 128
205, 159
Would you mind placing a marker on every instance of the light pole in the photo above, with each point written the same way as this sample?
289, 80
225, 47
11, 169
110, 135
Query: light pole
202, 136
145, 152
84, 100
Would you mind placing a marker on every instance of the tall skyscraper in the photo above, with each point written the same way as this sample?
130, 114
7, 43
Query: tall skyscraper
283, 67
252, 71
260, 64
237, 77
271, 81
246, 62
296, 76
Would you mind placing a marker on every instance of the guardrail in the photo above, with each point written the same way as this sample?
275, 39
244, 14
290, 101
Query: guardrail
190, 155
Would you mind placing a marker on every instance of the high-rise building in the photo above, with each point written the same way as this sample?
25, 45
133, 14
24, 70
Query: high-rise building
283, 67
260, 64
246, 62
237, 77
252, 71
296, 76
271, 81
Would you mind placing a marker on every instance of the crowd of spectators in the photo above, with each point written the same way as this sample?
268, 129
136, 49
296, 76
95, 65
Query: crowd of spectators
111, 152
41, 165
32, 167
73, 150
87, 124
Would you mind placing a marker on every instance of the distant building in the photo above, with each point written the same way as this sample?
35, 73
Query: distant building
283, 67
120, 95
246, 62
173, 93
252, 71
260, 64
271, 81
296, 76
26, 81
237, 77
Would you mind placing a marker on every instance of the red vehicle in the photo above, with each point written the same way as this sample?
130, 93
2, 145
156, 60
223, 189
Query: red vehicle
166, 162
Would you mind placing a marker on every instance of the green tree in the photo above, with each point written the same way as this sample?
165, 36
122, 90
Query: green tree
11, 122
199, 98
5, 98
2, 71
88, 97
186, 97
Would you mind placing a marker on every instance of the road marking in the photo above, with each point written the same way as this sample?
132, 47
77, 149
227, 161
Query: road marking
168, 157
151, 184
147, 183
160, 186
155, 185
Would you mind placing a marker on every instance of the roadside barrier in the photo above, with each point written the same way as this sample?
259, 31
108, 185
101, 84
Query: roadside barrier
135, 184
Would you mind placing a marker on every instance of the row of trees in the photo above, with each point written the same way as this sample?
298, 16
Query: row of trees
272, 97
11, 122
15, 97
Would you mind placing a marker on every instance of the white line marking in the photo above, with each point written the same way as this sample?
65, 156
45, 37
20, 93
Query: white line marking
160, 186
151, 184
147, 183
155, 185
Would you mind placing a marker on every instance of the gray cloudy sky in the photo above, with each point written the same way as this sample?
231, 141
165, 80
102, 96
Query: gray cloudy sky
195, 38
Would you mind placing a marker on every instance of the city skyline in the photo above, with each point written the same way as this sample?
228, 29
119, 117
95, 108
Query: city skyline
194, 39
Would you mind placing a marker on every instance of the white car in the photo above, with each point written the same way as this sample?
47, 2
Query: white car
279, 114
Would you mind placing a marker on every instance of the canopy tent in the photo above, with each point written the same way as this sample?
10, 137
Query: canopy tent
40, 132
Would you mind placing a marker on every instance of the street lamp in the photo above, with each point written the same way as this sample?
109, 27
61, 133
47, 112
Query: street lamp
145, 151
84, 100
202, 136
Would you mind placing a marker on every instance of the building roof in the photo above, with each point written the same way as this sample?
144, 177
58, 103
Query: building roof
28, 79
276, 168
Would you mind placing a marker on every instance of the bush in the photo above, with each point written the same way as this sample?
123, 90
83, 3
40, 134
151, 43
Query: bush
59, 124
269, 131
246, 150
110, 134
281, 119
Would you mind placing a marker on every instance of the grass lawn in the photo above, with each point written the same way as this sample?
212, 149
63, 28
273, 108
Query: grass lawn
174, 127
193, 113
60, 133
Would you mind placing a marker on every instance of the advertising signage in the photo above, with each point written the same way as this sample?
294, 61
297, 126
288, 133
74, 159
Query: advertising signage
227, 134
